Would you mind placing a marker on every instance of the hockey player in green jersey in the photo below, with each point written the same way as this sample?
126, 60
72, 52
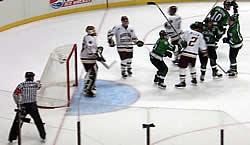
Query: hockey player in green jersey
219, 16
235, 41
161, 49
211, 36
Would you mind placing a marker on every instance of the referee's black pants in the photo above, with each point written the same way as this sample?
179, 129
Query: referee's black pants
32, 110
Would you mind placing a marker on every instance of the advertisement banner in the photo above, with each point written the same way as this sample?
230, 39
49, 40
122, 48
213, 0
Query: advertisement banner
56, 4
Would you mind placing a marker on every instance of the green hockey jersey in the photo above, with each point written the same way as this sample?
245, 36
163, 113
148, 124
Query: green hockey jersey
160, 49
219, 15
211, 35
233, 34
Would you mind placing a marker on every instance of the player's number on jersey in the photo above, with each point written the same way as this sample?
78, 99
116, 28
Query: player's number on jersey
192, 41
217, 16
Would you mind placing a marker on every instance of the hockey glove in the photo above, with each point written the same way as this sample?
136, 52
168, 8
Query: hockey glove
139, 43
234, 4
100, 49
99, 57
183, 44
235, 10
225, 40
111, 42
168, 54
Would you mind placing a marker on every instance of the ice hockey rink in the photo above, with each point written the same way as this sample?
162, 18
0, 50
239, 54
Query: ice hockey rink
193, 115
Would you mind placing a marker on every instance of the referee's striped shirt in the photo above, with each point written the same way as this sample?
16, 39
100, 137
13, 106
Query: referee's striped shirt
28, 92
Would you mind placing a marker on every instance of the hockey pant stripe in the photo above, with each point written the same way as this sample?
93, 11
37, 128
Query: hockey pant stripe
214, 67
126, 63
182, 74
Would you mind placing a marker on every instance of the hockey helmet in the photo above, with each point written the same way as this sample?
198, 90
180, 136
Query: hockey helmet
124, 19
163, 33
208, 22
29, 75
172, 10
91, 30
196, 25
227, 3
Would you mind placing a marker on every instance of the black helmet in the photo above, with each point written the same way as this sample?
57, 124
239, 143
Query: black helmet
196, 25
172, 10
29, 75
162, 33
227, 3
124, 19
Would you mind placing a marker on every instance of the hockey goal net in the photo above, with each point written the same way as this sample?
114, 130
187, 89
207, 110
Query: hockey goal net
59, 78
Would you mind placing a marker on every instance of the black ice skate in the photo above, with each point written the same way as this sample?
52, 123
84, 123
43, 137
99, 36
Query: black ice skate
130, 72
89, 93
216, 74
202, 78
233, 74
124, 75
229, 71
156, 79
194, 81
161, 85
181, 85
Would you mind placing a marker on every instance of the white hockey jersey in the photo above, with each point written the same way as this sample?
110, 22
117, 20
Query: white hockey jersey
89, 49
124, 37
175, 20
195, 43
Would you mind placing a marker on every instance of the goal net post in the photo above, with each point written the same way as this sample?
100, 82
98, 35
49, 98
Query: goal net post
59, 78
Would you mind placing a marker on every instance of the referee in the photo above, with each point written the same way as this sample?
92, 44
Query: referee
25, 94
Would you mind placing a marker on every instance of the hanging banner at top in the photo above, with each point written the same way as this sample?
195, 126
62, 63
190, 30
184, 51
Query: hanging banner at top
56, 4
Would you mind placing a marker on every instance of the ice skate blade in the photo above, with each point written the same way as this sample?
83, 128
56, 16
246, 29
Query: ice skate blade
162, 88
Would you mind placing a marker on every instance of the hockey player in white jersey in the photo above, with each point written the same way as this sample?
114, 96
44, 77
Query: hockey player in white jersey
125, 37
89, 55
175, 21
194, 43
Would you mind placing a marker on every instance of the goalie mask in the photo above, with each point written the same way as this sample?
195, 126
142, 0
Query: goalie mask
172, 10
91, 30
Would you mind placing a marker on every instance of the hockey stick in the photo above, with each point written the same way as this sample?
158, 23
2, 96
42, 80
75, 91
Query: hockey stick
221, 68
106, 65
136, 44
153, 3
100, 50
211, 9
